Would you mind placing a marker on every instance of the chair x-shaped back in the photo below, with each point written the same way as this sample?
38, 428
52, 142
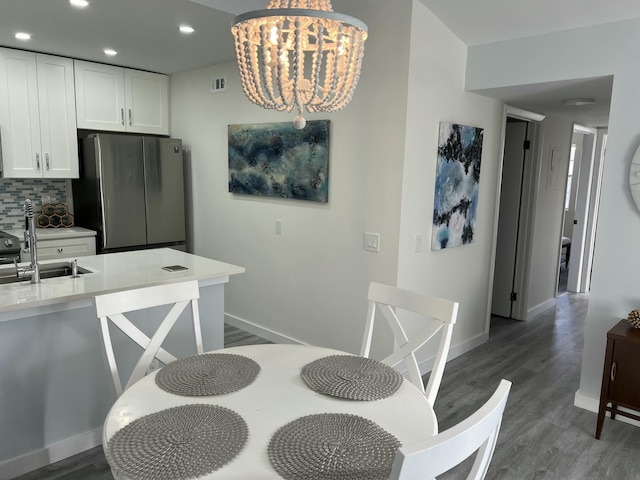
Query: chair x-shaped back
113, 306
440, 317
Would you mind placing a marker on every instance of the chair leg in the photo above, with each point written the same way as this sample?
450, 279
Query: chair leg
108, 348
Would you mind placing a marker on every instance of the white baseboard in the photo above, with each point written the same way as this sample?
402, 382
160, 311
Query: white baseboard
50, 454
276, 337
455, 351
586, 402
265, 333
541, 308
462, 348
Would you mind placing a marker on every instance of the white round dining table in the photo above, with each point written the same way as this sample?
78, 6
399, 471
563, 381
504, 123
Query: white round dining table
276, 397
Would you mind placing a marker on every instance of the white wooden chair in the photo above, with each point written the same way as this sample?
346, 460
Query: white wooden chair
441, 316
439, 454
113, 306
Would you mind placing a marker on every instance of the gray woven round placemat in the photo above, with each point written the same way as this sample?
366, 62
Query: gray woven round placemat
352, 377
208, 374
332, 446
177, 443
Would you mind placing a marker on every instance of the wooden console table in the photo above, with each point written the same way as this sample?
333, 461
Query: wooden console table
621, 374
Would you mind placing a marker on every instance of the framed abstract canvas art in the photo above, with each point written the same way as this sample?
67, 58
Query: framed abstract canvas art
457, 185
277, 160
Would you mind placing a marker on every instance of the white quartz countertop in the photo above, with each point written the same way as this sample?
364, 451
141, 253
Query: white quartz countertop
109, 273
47, 233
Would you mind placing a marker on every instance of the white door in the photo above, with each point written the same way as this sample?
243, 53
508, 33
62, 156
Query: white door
57, 117
100, 102
575, 282
147, 102
509, 219
19, 116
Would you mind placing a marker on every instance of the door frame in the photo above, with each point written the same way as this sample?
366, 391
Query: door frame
586, 208
519, 308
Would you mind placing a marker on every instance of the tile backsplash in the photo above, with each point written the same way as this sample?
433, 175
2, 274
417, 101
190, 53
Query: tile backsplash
13, 192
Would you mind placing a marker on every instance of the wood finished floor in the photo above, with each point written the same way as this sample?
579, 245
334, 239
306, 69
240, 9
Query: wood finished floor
543, 435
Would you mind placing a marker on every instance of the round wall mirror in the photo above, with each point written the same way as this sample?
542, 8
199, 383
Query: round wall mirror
634, 178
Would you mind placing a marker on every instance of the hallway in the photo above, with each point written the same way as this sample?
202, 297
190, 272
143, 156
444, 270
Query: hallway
543, 435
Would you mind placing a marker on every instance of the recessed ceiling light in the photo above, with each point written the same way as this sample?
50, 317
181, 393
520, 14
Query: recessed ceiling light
79, 3
578, 102
186, 29
110, 51
23, 36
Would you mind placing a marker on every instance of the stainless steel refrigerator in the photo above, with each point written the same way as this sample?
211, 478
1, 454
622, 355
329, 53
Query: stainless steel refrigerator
131, 191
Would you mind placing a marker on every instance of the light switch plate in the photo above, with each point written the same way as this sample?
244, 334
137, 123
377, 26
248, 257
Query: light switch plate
418, 244
372, 242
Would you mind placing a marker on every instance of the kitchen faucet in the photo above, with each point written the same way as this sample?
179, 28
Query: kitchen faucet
30, 246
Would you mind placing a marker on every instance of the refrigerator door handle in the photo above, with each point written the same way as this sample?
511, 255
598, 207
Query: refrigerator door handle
98, 148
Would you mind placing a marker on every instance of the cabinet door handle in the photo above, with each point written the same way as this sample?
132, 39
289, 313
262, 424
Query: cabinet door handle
613, 371
60, 250
130, 117
38, 161
46, 159
122, 116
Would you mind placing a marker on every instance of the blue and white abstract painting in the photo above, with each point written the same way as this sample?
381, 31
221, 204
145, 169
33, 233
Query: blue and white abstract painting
276, 160
457, 184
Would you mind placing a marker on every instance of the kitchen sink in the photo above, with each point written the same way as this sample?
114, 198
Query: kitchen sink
47, 270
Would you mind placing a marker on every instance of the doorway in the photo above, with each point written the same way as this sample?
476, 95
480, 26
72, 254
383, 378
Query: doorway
529, 246
532, 276
509, 292
588, 146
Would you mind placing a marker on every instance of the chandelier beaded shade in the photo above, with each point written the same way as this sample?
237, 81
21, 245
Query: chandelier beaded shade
299, 54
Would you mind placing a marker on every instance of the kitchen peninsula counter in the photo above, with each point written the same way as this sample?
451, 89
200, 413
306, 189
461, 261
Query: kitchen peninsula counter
55, 385
108, 273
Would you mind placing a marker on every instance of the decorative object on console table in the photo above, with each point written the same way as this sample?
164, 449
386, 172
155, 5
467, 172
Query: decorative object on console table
277, 160
457, 185
621, 376
54, 216
634, 318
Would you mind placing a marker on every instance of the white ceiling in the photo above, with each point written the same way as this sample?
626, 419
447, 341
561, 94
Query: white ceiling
477, 22
145, 33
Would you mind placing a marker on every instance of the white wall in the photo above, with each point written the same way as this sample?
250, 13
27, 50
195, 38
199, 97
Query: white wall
587, 52
436, 93
310, 283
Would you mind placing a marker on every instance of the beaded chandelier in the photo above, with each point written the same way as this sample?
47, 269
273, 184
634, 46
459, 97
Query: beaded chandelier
299, 54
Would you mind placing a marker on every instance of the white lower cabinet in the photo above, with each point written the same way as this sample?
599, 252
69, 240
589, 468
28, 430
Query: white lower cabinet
65, 248
37, 116
61, 243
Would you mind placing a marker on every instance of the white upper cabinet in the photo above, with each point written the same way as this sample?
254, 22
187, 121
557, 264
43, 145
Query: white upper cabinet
37, 116
120, 99
147, 102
